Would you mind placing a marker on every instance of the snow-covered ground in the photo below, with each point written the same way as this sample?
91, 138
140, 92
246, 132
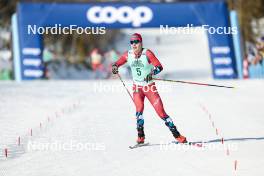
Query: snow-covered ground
100, 125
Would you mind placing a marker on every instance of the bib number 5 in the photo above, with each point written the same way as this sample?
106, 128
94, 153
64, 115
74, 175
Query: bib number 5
138, 71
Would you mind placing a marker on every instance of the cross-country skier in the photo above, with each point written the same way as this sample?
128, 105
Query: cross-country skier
144, 65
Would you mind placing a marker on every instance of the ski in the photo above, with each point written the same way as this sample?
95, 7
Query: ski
197, 144
138, 145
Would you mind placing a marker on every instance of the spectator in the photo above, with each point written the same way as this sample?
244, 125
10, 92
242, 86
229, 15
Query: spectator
260, 50
96, 60
255, 52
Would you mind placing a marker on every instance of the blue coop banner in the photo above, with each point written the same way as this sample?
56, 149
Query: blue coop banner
35, 18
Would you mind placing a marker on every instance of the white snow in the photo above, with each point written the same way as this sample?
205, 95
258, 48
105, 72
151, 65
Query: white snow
106, 121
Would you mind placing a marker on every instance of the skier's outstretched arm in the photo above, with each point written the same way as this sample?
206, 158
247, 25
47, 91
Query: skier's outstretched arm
121, 61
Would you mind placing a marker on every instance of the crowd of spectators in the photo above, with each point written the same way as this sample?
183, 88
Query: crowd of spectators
255, 52
96, 65
5, 55
253, 64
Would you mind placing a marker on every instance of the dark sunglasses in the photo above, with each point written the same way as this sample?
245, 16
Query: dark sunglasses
134, 41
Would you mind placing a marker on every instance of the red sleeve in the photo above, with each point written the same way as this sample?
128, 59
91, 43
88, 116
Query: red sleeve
122, 60
152, 59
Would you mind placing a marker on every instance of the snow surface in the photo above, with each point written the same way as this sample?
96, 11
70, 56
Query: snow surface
105, 119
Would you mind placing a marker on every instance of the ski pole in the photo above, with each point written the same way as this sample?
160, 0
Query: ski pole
196, 83
125, 87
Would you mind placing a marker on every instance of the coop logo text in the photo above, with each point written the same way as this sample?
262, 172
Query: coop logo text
125, 14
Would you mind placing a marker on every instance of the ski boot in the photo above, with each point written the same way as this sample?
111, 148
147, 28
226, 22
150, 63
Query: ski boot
141, 135
140, 140
176, 134
181, 139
